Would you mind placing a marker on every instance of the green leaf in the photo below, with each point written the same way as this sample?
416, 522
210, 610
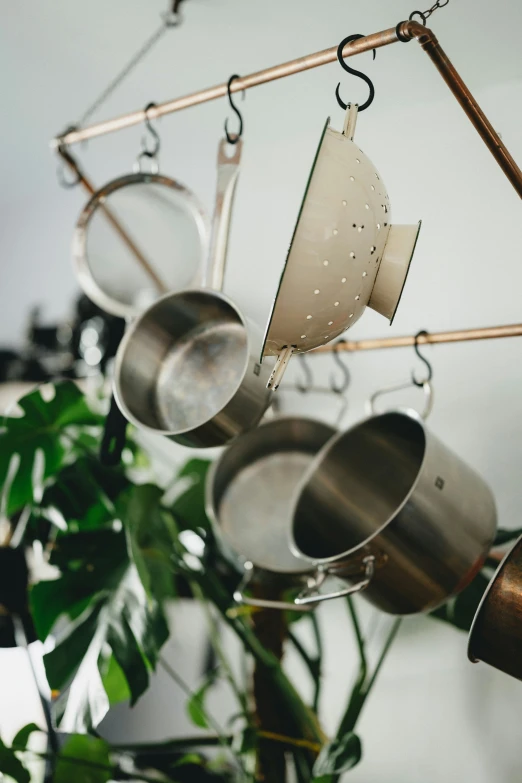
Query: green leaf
38, 430
11, 766
21, 739
118, 619
93, 752
150, 537
196, 704
189, 506
460, 610
340, 755
114, 681
90, 563
84, 492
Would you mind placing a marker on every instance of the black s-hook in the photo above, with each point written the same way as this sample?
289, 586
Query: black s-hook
233, 138
422, 333
150, 152
341, 388
361, 75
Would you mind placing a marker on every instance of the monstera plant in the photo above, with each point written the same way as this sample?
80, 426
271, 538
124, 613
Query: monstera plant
114, 554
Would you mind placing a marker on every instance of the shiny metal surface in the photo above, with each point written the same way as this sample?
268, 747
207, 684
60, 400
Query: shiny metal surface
188, 367
250, 487
389, 488
137, 238
496, 634
227, 176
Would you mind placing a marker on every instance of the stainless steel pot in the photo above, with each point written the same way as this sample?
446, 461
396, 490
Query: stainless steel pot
496, 633
396, 513
249, 494
188, 368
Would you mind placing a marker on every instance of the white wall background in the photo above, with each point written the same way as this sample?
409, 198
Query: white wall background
433, 717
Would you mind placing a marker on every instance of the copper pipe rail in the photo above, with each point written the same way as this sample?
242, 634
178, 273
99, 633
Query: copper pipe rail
72, 164
405, 31
433, 338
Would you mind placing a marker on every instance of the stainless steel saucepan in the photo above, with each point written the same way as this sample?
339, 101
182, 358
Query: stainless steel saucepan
395, 512
188, 367
249, 494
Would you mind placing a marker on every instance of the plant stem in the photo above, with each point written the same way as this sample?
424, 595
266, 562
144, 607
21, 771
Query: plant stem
216, 643
313, 665
223, 741
362, 687
388, 643
304, 721
113, 769
357, 629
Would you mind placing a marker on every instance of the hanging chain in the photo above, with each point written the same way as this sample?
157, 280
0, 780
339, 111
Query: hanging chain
425, 15
171, 18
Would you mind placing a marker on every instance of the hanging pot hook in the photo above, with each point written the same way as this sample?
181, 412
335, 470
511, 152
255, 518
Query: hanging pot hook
361, 75
341, 388
305, 386
150, 152
233, 138
422, 333
66, 157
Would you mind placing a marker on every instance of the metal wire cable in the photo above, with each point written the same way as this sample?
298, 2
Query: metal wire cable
171, 19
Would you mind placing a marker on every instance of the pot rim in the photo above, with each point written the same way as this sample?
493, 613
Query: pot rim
212, 511
348, 554
500, 567
84, 274
127, 337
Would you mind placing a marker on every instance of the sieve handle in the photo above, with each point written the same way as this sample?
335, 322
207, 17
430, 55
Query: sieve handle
264, 603
311, 594
227, 174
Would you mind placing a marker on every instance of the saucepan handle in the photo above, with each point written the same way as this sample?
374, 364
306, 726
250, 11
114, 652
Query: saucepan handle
264, 603
227, 174
311, 594
428, 398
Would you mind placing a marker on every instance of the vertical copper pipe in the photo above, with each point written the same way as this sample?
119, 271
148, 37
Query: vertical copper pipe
89, 187
430, 44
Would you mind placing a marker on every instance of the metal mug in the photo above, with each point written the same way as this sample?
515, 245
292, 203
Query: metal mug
395, 513
496, 633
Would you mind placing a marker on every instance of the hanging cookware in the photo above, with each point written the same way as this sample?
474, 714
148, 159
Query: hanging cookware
188, 368
138, 237
496, 633
344, 253
249, 491
395, 512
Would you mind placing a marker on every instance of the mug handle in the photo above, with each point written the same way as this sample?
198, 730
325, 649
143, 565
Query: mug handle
310, 594
264, 603
428, 398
